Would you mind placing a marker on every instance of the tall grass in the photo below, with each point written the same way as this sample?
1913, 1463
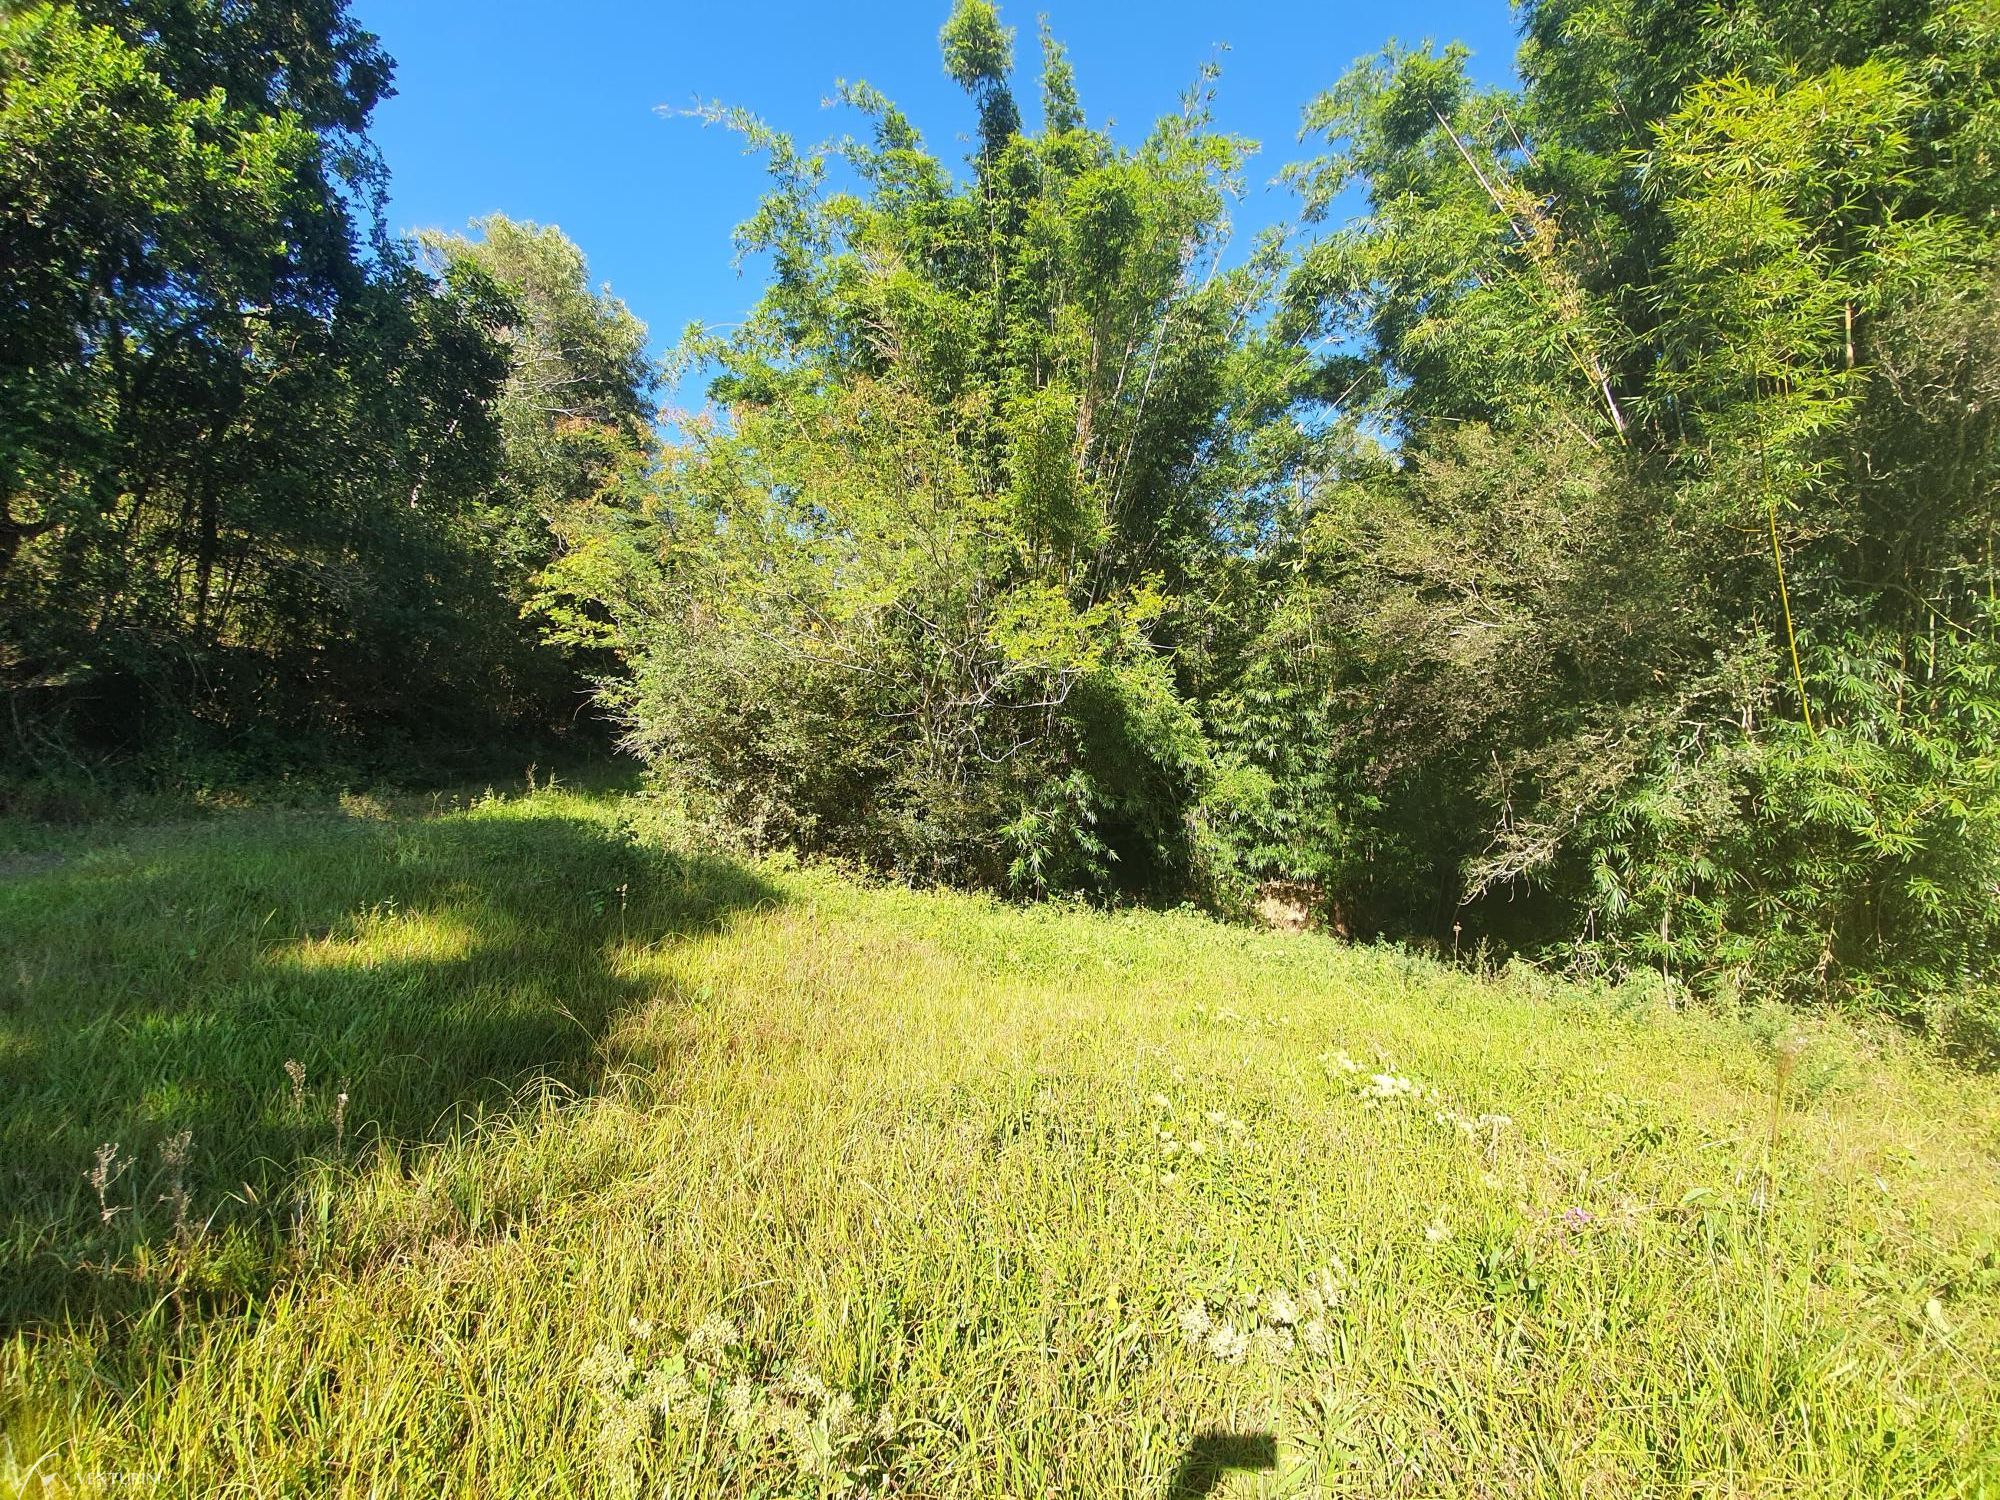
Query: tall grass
665, 1176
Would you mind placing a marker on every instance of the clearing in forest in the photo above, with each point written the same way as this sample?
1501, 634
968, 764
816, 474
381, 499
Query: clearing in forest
488, 1150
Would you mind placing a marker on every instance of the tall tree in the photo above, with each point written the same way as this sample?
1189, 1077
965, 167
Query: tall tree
575, 421
238, 429
1676, 596
936, 588
576, 410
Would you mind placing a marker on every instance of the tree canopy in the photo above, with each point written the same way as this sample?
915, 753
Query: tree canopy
1683, 570
259, 469
938, 585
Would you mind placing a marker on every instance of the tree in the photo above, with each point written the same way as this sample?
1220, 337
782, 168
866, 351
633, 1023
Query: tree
576, 409
575, 429
937, 588
1677, 593
239, 444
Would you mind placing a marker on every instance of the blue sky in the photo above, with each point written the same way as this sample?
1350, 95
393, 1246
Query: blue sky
552, 112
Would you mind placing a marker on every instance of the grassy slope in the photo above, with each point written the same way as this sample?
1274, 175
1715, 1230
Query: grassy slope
908, 1149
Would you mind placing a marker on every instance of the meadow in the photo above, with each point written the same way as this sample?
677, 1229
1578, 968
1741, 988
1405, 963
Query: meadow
488, 1146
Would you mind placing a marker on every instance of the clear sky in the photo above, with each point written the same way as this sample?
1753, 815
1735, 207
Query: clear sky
553, 112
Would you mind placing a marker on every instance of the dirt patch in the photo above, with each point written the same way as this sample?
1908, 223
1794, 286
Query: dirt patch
1289, 905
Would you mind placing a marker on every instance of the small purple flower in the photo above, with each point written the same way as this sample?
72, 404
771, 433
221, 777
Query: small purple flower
1578, 1219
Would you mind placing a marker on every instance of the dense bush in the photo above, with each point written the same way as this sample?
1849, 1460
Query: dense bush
1667, 638
938, 593
1587, 550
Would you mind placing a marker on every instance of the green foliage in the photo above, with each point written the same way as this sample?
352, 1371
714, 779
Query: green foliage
574, 413
244, 461
936, 588
1861, 858
1586, 551
1666, 638
574, 426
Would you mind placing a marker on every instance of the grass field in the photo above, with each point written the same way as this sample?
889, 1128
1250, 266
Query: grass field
483, 1150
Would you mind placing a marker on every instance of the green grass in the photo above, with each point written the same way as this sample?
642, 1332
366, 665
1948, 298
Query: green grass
667, 1176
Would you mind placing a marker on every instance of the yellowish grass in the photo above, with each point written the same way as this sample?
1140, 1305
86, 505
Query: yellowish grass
933, 1161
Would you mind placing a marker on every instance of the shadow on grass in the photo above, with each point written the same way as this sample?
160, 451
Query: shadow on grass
231, 984
1212, 1455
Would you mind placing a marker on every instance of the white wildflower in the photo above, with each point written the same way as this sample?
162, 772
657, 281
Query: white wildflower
1321, 1287
665, 1388
801, 1382
625, 1426
1271, 1344
711, 1338
1195, 1324
1228, 1344
838, 1413
739, 1405
1437, 1231
1382, 1087
795, 1425
607, 1369
1280, 1309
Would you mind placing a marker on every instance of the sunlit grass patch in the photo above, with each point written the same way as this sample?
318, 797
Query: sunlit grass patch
384, 935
